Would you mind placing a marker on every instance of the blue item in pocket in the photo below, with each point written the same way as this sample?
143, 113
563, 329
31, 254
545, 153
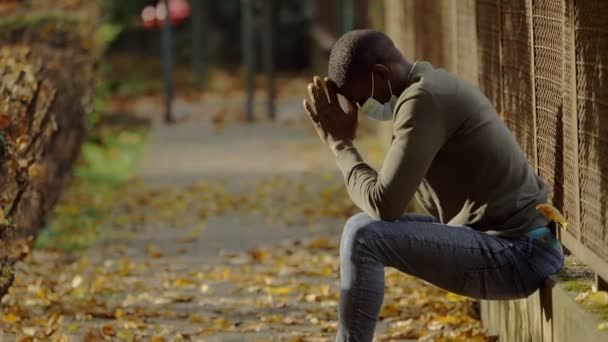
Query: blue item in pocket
544, 235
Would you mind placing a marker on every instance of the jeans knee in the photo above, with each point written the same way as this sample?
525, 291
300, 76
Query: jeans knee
354, 247
355, 231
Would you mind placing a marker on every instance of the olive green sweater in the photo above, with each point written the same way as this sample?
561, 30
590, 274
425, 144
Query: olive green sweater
446, 132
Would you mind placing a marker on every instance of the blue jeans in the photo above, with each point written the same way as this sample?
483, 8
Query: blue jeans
457, 259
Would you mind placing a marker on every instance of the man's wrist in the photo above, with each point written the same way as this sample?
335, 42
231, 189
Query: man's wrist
340, 145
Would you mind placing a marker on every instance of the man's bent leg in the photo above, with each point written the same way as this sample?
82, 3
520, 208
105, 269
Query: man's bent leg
359, 307
458, 259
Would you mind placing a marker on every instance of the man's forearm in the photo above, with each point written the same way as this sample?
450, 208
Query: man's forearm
338, 146
361, 182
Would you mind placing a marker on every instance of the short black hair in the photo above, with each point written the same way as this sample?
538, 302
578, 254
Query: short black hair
357, 51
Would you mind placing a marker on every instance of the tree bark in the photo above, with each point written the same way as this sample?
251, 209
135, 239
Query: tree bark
46, 82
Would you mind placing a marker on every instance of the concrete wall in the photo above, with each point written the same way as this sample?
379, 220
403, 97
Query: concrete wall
549, 315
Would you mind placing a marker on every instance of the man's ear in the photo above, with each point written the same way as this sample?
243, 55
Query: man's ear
381, 71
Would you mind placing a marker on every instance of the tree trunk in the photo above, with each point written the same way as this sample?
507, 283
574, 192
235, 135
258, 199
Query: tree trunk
46, 81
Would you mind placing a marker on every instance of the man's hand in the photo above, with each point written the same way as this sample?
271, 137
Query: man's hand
334, 126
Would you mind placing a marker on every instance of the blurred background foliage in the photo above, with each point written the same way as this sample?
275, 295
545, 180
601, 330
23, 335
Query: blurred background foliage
222, 38
129, 66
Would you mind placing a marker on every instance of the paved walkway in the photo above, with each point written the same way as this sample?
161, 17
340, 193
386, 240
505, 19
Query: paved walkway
208, 213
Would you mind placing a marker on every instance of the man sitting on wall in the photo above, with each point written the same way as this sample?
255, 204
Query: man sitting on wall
483, 236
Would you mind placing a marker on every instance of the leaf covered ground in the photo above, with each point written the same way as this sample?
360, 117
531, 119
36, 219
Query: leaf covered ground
230, 232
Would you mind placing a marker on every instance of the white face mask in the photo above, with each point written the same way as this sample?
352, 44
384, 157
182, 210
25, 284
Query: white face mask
379, 111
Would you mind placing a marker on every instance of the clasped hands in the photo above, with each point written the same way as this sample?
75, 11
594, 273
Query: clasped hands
336, 127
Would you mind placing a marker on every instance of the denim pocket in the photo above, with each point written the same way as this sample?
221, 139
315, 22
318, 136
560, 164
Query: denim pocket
544, 259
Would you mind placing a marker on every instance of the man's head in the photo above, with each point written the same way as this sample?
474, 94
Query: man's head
359, 54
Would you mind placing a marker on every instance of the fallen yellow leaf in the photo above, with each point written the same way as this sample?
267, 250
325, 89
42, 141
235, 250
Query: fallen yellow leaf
10, 318
324, 271
456, 297
552, 213
476, 338
178, 297
296, 339
278, 290
29, 331
182, 282
125, 335
390, 310
598, 298
259, 254
449, 319
319, 243
98, 284
221, 324
108, 329
119, 314
196, 318
153, 251
77, 281
205, 288
272, 319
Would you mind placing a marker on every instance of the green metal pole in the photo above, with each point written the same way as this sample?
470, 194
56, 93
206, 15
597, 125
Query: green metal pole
268, 52
167, 61
348, 15
248, 55
199, 30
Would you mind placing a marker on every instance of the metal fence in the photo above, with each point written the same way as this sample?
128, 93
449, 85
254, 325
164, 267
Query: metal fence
544, 66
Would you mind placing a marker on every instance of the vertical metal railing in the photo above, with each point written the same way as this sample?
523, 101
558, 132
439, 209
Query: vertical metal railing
247, 48
199, 48
167, 62
249, 53
269, 55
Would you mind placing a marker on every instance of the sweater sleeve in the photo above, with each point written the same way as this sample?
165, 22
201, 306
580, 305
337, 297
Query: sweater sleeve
418, 133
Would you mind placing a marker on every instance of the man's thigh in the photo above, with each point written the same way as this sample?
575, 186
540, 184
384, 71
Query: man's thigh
412, 217
458, 259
